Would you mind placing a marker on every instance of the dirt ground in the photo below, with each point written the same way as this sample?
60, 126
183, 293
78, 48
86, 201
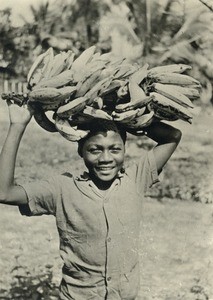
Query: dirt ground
176, 230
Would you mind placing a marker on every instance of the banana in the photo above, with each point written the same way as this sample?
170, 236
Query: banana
105, 57
173, 94
122, 71
84, 86
174, 78
59, 63
36, 66
169, 105
175, 68
116, 62
191, 93
98, 103
69, 132
62, 79
42, 120
136, 92
79, 119
108, 71
132, 70
96, 113
140, 74
138, 98
73, 107
48, 65
96, 56
114, 85
125, 117
123, 91
67, 90
48, 106
44, 95
133, 105
162, 113
141, 121
99, 88
92, 67
65, 94
79, 64
70, 59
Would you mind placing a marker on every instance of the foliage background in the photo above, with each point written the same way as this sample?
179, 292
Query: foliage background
176, 232
157, 32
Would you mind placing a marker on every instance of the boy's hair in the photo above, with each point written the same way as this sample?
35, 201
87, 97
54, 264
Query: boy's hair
101, 125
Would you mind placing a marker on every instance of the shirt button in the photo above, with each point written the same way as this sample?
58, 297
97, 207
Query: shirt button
105, 200
109, 278
109, 239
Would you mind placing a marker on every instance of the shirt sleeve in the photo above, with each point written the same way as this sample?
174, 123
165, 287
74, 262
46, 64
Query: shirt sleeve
42, 197
144, 172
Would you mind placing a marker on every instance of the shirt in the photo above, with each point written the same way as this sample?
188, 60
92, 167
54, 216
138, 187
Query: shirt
99, 233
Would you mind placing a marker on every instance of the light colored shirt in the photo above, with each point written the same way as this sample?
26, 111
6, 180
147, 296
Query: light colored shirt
99, 233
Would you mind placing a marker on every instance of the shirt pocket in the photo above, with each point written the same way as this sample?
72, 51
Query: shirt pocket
68, 236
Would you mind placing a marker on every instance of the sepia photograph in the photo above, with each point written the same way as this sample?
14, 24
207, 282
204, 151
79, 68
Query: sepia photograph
106, 150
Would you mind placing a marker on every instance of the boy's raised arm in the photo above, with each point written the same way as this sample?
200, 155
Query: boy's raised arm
167, 138
9, 192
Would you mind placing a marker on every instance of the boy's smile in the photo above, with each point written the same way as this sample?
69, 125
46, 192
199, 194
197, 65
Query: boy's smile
103, 155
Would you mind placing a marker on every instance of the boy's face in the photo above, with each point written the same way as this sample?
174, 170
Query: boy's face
103, 155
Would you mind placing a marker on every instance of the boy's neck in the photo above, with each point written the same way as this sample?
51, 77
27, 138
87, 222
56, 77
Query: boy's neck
100, 184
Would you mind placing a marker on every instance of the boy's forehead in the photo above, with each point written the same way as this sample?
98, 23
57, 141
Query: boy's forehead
102, 137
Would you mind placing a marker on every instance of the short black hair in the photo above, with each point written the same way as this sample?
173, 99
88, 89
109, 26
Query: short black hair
101, 125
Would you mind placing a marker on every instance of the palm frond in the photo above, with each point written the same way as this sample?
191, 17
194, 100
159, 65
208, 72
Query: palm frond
189, 22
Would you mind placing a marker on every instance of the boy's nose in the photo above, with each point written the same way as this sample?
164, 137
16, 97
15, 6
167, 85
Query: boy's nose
105, 157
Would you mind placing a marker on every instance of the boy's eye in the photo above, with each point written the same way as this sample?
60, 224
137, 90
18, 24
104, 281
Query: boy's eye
94, 150
115, 150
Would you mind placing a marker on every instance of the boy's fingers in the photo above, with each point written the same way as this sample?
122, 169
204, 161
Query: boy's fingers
17, 101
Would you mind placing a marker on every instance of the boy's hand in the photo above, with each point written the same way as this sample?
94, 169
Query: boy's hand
19, 114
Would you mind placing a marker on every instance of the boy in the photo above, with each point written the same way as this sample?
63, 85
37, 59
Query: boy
98, 213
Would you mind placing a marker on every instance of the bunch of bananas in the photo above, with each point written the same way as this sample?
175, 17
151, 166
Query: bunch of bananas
97, 85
